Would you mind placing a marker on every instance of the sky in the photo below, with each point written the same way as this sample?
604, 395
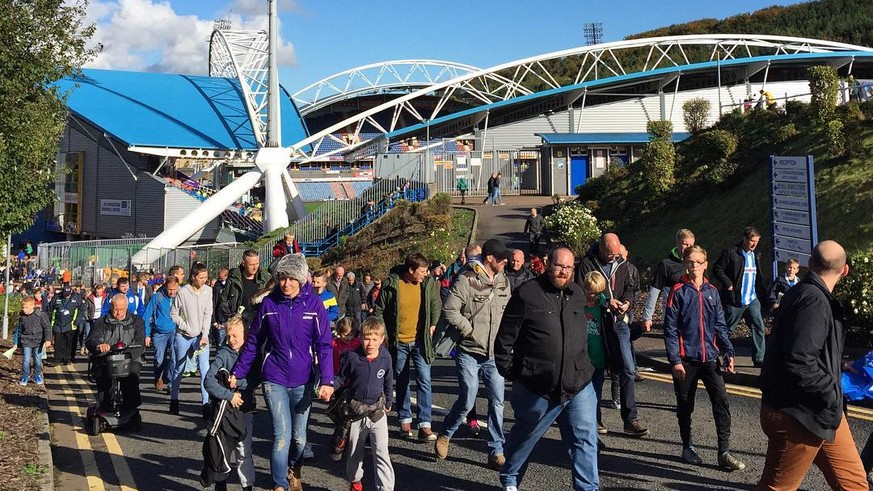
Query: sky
319, 38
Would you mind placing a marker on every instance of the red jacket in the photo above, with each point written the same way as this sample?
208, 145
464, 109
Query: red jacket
281, 248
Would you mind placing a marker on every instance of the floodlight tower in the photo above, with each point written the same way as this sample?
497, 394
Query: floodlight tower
593, 32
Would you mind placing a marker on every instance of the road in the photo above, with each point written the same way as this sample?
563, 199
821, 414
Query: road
166, 455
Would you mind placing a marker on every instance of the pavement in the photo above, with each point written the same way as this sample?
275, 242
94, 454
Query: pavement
505, 223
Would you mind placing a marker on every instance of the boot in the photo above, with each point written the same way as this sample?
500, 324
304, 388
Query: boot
294, 481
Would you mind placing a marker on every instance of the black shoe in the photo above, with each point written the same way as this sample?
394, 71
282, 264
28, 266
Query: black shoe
174, 406
690, 455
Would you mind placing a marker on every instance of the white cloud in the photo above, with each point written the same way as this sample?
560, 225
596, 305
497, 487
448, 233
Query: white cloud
149, 35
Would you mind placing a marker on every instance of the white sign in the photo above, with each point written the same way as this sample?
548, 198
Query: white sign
795, 217
789, 175
793, 244
475, 162
461, 164
790, 189
783, 256
789, 163
115, 207
791, 230
790, 203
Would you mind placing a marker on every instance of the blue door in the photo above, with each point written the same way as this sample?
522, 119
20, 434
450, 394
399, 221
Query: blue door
578, 171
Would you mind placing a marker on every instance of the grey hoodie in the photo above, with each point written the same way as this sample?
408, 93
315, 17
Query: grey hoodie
192, 312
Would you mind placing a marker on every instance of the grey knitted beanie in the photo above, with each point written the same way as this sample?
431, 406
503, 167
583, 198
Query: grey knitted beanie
291, 266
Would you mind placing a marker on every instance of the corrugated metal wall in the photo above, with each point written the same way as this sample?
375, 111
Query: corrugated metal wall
521, 134
178, 205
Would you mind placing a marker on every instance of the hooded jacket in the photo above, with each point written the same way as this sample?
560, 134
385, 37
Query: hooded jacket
192, 311
801, 372
475, 307
134, 303
694, 324
157, 314
385, 309
214, 384
231, 295
293, 329
34, 329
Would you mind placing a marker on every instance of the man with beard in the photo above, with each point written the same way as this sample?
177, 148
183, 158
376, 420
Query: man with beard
541, 347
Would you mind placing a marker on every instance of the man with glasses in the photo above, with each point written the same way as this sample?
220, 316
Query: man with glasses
605, 258
543, 347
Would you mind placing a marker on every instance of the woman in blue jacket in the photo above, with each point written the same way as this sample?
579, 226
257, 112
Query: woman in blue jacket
293, 323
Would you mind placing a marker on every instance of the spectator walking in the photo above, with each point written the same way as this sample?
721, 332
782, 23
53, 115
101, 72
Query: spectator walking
474, 307
495, 194
319, 280
516, 271
668, 272
594, 284
784, 282
160, 331
34, 336
291, 325
243, 282
134, 301
463, 186
546, 357
534, 225
605, 258
738, 271
802, 405
409, 305
339, 286
218, 332
68, 313
192, 312
490, 194
695, 335
93, 310
356, 305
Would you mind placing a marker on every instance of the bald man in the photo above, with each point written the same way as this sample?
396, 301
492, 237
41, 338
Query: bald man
802, 409
605, 258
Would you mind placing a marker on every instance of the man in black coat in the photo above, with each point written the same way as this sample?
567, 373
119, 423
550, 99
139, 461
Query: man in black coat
738, 272
543, 347
802, 408
534, 225
605, 258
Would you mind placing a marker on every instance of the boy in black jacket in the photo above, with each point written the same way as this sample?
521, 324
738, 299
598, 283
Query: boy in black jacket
368, 374
34, 335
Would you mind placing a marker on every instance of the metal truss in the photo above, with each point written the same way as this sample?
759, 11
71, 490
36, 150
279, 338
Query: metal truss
561, 69
395, 76
244, 55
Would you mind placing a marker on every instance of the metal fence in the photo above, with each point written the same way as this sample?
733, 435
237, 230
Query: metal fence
98, 261
519, 169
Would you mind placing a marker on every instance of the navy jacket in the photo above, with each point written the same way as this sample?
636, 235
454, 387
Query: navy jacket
694, 325
367, 380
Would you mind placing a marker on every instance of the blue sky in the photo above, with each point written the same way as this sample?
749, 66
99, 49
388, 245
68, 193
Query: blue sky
322, 37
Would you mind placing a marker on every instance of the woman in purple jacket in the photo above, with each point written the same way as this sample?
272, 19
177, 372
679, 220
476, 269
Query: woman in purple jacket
293, 324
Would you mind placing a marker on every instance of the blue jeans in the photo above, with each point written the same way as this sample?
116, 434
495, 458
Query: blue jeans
34, 354
534, 414
218, 336
181, 346
468, 385
495, 196
84, 332
626, 367
752, 313
289, 409
415, 352
162, 342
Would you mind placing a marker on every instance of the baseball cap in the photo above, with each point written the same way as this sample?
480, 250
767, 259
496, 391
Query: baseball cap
493, 247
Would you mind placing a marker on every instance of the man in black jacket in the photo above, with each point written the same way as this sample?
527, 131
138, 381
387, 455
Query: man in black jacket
605, 258
738, 272
802, 408
542, 346
533, 227
242, 284
516, 271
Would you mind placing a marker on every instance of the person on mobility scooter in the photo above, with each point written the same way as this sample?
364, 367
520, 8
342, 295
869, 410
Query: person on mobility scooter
116, 344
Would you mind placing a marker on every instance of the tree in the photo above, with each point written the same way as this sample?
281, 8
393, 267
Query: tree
659, 159
824, 85
44, 41
696, 112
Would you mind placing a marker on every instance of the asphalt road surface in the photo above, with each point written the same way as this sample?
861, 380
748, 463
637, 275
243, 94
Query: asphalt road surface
166, 454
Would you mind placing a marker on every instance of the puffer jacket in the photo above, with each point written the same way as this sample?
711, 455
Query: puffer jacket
475, 306
694, 324
293, 329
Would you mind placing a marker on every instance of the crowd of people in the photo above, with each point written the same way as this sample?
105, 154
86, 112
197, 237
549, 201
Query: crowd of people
555, 325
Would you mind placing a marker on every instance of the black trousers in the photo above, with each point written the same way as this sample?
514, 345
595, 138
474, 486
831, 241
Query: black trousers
534, 243
710, 373
65, 346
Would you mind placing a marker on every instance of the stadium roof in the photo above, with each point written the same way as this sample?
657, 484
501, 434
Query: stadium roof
171, 111
594, 138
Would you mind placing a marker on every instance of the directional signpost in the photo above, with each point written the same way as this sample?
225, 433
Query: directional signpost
792, 199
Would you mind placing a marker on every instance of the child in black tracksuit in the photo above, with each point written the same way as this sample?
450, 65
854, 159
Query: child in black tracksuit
367, 377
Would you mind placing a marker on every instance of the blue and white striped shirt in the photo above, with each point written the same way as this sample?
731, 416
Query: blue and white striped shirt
749, 276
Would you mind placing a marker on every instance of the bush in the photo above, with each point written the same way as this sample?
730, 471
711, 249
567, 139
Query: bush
835, 138
718, 145
823, 86
786, 132
660, 130
695, 112
734, 121
659, 164
796, 110
856, 292
720, 173
866, 108
574, 226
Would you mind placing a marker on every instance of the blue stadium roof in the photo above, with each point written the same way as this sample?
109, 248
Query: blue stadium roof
170, 110
592, 138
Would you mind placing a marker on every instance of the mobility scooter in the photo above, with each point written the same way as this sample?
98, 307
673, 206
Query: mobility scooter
117, 364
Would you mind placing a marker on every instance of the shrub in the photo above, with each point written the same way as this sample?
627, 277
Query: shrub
786, 132
718, 145
734, 121
660, 130
720, 173
835, 138
573, 226
823, 86
659, 162
866, 108
796, 110
856, 292
695, 112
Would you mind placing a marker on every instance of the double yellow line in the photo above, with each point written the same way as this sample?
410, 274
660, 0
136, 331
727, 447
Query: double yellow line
68, 381
740, 390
